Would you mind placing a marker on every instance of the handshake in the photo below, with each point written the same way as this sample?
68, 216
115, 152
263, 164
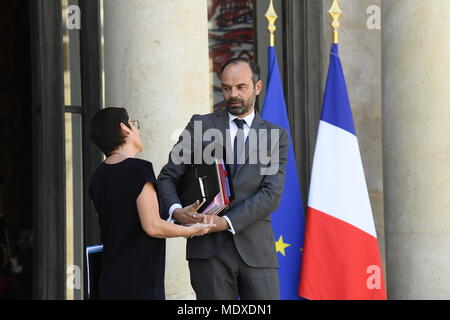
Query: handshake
200, 224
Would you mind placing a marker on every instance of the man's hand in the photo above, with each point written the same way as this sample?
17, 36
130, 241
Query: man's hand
188, 214
221, 224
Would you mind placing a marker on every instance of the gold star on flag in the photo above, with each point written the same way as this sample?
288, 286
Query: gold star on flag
280, 246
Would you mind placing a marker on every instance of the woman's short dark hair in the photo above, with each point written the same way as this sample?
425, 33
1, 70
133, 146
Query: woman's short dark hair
105, 129
256, 72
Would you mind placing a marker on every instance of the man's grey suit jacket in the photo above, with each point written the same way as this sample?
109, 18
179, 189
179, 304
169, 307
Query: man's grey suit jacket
256, 195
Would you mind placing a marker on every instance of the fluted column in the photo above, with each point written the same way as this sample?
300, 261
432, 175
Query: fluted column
157, 66
416, 147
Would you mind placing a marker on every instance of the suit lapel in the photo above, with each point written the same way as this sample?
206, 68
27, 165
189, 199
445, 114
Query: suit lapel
222, 122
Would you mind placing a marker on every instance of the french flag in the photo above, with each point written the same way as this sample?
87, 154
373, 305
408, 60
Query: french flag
341, 259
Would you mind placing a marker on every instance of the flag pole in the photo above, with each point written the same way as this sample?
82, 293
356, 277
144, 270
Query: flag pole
271, 17
335, 12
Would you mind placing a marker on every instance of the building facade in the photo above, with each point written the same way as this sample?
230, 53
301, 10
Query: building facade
66, 59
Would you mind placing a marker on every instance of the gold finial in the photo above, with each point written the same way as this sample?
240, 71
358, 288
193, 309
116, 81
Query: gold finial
271, 16
335, 12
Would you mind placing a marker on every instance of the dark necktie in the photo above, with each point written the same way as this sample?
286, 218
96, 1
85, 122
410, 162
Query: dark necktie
239, 141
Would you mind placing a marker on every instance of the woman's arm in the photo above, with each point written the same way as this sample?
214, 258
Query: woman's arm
154, 226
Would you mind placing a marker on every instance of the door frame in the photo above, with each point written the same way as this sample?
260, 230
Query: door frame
49, 176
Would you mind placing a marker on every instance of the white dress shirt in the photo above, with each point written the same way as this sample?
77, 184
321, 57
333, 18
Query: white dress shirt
233, 130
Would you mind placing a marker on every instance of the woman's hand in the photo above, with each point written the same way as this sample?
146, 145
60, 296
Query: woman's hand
200, 229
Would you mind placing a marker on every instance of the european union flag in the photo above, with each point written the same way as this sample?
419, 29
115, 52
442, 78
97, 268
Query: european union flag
288, 220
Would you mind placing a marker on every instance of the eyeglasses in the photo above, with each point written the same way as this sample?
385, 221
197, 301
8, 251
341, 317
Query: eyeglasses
135, 124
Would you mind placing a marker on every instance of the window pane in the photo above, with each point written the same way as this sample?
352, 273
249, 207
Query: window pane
71, 16
231, 35
74, 206
102, 52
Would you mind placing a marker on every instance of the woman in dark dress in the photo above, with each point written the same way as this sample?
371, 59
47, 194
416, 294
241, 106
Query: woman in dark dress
123, 192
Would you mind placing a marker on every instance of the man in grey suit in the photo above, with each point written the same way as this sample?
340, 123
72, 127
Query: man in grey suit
238, 259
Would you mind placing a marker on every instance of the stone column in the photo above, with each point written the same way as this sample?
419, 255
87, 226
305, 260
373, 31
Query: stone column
416, 147
157, 66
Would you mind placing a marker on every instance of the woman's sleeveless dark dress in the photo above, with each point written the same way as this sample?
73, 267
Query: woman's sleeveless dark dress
133, 262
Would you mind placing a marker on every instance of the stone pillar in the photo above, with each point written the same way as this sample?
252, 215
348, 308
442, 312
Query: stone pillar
416, 147
157, 66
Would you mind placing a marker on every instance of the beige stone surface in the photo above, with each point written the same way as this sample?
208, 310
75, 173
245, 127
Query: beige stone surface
156, 65
416, 143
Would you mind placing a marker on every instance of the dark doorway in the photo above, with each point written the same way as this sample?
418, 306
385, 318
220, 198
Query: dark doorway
16, 176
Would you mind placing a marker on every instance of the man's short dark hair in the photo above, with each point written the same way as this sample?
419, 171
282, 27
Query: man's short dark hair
253, 66
105, 129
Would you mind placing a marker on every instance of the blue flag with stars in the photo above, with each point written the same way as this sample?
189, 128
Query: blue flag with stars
288, 221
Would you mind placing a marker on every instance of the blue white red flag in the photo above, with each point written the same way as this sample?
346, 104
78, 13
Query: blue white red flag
341, 259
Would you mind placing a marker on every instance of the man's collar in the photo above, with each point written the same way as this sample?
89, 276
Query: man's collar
248, 119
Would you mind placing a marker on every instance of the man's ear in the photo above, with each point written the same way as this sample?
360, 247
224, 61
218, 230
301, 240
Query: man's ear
125, 130
258, 87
